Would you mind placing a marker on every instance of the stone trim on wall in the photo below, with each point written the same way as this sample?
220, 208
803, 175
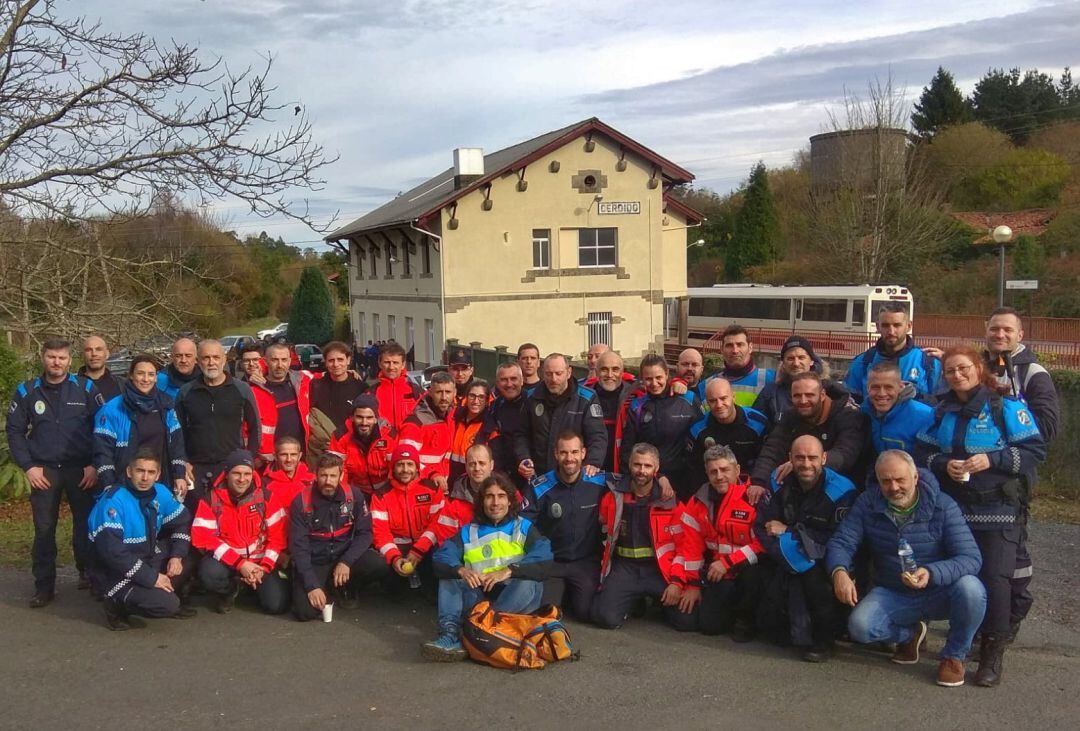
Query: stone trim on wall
456, 304
531, 275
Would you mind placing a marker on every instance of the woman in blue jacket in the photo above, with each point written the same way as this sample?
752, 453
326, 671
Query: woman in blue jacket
984, 449
141, 417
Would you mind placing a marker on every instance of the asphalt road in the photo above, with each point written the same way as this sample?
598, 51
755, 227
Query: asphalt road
62, 669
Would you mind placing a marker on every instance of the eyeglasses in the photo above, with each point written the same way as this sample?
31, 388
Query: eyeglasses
476, 397
964, 369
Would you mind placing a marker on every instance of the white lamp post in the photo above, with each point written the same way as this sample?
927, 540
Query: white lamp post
1002, 235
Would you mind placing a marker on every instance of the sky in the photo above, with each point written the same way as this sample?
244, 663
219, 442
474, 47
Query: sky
393, 86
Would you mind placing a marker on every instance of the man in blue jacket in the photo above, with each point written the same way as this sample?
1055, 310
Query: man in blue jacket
896, 418
945, 584
919, 368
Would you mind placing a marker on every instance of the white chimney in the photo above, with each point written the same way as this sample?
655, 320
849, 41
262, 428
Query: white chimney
468, 165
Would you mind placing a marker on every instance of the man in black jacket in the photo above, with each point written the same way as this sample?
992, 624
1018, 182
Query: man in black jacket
613, 387
559, 404
507, 414
95, 356
329, 541
218, 415
839, 426
740, 429
1018, 373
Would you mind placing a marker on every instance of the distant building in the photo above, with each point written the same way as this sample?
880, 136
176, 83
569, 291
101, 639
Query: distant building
858, 159
565, 240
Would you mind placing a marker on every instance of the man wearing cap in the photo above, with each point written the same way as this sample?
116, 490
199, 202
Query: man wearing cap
364, 447
429, 431
747, 380
796, 356
396, 394
895, 345
329, 541
404, 515
240, 526
461, 370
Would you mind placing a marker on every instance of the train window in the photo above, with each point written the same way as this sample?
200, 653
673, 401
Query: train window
762, 308
824, 310
858, 312
876, 305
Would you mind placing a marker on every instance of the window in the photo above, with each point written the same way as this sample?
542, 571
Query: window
425, 257
596, 247
740, 309
858, 312
388, 256
429, 341
391, 327
824, 310
361, 328
373, 260
375, 330
408, 262
876, 305
541, 248
358, 260
599, 328
409, 334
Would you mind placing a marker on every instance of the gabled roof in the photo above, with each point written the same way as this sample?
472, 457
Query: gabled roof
1031, 222
427, 198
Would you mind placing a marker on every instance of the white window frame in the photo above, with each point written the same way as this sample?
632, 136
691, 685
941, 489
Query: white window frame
375, 329
541, 248
599, 328
391, 327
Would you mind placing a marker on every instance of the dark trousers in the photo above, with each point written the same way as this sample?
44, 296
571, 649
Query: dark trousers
1021, 581
799, 609
45, 506
371, 566
731, 600
572, 586
204, 474
628, 581
151, 601
1003, 553
217, 578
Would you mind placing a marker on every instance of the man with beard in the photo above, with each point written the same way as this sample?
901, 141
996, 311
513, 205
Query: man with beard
429, 430
739, 428
796, 356
895, 345
365, 448
182, 369
747, 380
613, 387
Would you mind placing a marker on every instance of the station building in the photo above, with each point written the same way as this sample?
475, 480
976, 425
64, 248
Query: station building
565, 240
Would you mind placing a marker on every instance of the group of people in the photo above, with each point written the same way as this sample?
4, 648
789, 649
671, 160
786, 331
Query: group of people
751, 502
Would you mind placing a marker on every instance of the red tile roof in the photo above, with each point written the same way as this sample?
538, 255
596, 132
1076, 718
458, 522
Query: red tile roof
1031, 222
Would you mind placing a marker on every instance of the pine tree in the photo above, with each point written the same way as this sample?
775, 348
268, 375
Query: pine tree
940, 105
311, 317
757, 228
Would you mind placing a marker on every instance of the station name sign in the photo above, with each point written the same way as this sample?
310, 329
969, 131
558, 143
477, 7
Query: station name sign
618, 208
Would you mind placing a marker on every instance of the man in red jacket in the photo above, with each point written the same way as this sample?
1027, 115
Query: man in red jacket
289, 475
364, 448
396, 394
404, 515
241, 528
461, 500
718, 523
429, 431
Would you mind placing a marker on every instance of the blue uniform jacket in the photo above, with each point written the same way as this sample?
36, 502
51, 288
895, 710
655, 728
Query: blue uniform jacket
114, 447
898, 427
664, 422
133, 539
534, 565
937, 533
916, 367
47, 427
810, 517
568, 515
961, 430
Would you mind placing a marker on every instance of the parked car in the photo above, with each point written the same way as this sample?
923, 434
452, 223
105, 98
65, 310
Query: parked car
273, 332
311, 357
422, 378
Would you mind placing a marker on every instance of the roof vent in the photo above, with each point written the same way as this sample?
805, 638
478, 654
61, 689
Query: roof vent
468, 166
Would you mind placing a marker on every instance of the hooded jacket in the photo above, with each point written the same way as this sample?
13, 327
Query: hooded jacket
898, 427
367, 462
1020, 375
431, 436
116, 434
249, 528
403, 519
916, 367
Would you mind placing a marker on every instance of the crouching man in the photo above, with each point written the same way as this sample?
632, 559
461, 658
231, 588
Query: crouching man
944, 583
139, 533
500, 556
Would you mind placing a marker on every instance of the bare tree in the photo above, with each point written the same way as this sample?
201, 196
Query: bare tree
96, 124
872, 206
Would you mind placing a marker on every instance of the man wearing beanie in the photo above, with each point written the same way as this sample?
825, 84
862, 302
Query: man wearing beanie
365, 447
240, 526
796, 356
404, 515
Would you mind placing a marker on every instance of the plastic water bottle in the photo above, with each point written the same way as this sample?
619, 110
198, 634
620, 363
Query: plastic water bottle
907, 557
414, 580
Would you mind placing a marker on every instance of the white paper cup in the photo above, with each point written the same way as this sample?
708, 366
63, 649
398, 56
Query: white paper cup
966, 477
328, 612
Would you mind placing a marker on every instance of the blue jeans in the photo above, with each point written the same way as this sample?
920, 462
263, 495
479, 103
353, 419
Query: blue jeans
518, 596
886, 615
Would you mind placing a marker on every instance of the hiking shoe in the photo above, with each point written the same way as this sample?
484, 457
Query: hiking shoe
116, 618
950, 672
226, 602
908, 653
444, 648
42, 599
991, 661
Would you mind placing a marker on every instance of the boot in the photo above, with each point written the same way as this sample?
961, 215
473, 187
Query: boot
116, 618
991, 661
225, 602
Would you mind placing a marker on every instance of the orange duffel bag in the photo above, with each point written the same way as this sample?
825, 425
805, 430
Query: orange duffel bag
516, 641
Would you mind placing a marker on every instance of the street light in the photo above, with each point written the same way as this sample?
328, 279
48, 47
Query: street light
1001, 235
699, 242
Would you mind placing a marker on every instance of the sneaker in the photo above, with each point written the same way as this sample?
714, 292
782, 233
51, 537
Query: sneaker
186, 611
444, 648
41, 599
908, 653
116, 618
950, 672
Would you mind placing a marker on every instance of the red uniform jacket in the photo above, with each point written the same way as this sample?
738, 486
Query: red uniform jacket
431, 437
457, 511
397, 399
717, 528
286, 488
367, 467
251, 529
301, 383
662, 519
403, 518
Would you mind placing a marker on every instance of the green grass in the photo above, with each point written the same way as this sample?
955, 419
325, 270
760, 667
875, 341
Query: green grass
251, 327
17, 534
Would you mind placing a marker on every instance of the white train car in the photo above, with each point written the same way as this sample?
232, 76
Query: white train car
834, 309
